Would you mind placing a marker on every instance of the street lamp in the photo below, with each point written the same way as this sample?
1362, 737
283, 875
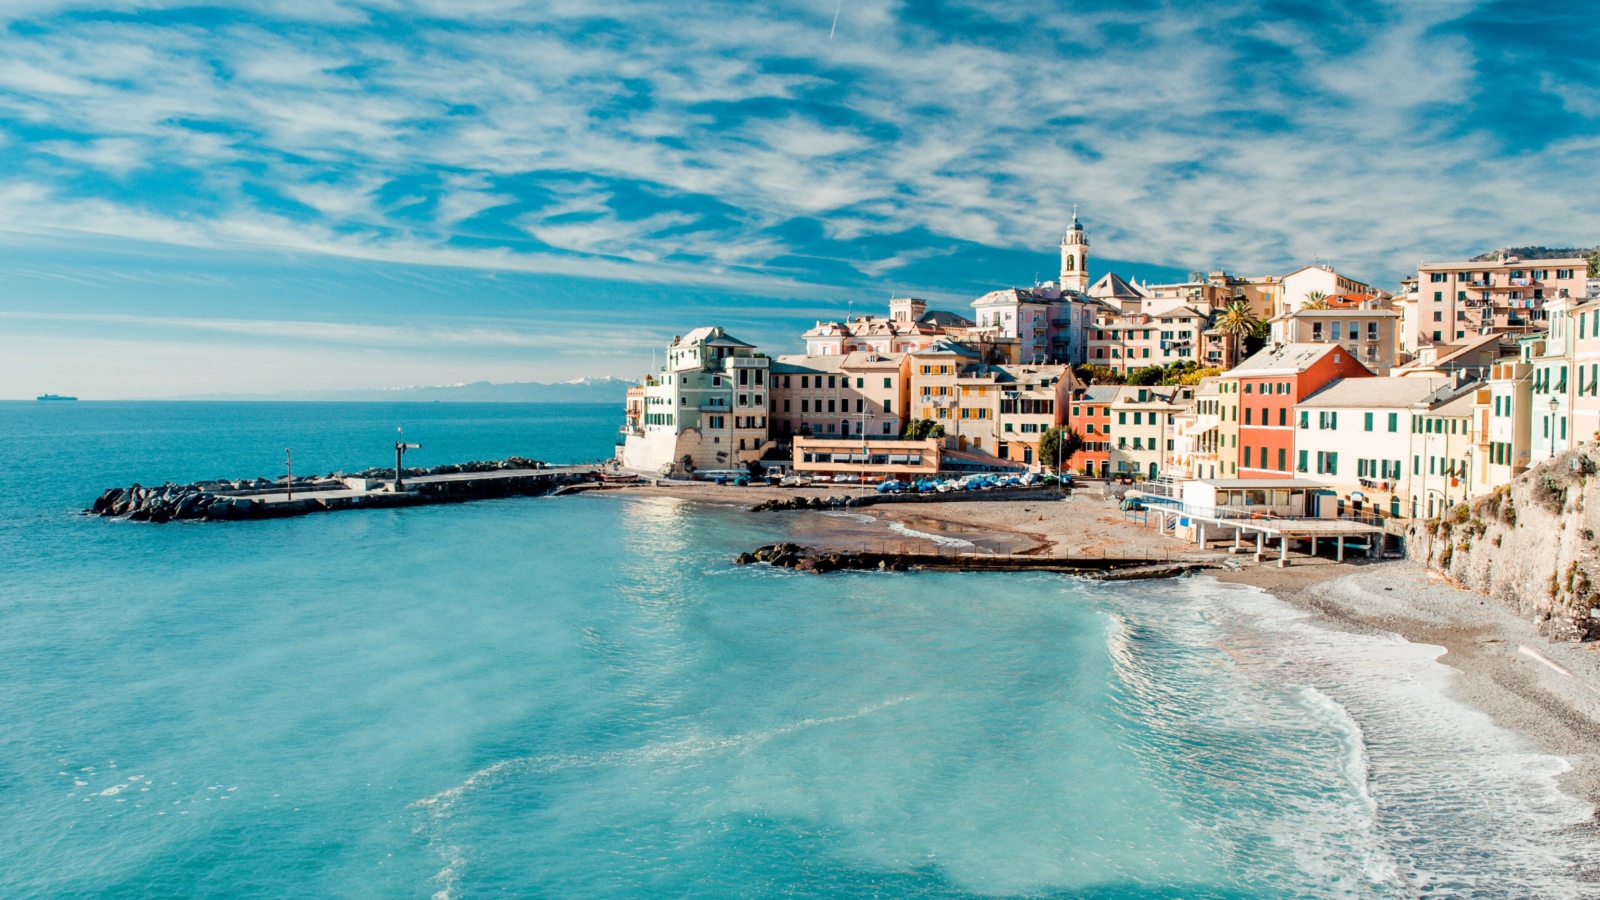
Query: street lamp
1554, 405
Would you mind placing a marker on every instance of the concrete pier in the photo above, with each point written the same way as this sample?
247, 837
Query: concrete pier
375, 488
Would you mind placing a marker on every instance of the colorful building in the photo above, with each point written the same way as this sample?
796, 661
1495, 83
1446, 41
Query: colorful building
1270, 384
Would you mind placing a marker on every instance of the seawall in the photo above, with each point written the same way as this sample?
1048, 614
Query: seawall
260, 498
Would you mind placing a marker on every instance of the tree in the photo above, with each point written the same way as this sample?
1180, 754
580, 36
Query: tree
1193, 378
1236, 322
1315, 300
923, 429
1092, 374
1146, 376
1594, 265
1063, 441
1258, 338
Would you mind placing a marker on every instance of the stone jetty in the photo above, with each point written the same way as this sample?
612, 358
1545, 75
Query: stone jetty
261, 498
806, 559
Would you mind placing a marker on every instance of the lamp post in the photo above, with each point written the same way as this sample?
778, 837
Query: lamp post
400, 448
1554, 405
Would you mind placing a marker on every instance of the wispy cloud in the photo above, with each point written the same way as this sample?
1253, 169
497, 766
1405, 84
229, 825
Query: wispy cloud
736, 147
966, 122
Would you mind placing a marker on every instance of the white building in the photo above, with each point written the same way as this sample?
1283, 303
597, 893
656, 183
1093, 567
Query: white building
705, 409
1355, 436
1302, 282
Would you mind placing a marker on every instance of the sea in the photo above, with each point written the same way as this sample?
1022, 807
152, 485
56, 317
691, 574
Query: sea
582, 697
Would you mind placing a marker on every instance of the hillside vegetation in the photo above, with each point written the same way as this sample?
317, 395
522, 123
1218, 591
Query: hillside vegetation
1531, 545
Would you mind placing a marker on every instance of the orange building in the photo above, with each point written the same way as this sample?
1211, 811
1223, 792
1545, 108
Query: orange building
1269, 384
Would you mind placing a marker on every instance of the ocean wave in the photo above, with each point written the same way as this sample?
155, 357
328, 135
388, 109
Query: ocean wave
438, 808
941, 540
1354, 744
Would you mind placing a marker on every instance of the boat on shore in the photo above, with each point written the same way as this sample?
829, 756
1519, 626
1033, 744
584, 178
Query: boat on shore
44, 397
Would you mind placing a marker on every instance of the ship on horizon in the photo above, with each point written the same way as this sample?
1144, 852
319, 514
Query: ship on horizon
54, 397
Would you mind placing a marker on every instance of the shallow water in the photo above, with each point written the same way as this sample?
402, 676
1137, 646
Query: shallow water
582, 697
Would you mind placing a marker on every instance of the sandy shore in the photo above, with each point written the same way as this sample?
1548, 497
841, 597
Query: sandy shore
1549, 693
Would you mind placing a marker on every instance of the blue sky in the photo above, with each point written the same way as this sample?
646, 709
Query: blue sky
299, 194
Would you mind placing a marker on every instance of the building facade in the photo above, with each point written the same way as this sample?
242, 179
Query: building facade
705, 409
1270, 385
1506, 294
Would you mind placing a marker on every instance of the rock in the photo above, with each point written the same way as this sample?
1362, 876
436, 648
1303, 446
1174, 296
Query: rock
744, 559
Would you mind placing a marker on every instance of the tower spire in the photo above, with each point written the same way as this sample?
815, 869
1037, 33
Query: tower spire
1075, 257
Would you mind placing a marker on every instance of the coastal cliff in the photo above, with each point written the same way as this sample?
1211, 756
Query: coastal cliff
1533, 545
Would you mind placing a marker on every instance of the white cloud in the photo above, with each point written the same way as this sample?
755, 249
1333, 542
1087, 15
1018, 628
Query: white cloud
1184, 149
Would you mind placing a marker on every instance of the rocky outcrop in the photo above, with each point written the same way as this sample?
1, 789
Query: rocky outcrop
1532, 544
786, 503
805, 559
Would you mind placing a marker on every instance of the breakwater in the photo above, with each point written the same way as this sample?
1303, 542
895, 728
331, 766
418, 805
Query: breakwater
835, 501
261, 498
807, 559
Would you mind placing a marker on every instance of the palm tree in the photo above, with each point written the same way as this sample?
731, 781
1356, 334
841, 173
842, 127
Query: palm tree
1236, 322
1315, 300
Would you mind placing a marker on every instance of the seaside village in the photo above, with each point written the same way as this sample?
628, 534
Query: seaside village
1310, 388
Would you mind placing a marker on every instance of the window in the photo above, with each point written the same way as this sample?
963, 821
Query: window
1438, 315
1283, 459
888, 382
1247, 450
1366, 421
1122, 418
886, 406
1436, 277
1563, 273
1283, 418
1247, 412
1305, 421
1394, 422
1300, 466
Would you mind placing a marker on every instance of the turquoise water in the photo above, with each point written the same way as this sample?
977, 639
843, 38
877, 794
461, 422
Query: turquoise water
581, 697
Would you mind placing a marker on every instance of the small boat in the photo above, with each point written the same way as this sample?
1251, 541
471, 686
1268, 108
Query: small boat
618, 478
54, 397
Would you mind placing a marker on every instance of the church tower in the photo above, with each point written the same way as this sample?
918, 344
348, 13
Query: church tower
1074, 258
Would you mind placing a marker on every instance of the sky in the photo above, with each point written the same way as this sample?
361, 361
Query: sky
301, 194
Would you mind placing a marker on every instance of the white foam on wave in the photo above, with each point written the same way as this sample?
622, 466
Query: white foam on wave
859, 517
439, 807
940, 539
1439, 800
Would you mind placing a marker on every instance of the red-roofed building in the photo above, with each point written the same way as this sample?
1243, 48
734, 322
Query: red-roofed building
1264, 390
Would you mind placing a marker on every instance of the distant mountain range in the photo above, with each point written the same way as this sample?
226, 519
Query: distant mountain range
581, 390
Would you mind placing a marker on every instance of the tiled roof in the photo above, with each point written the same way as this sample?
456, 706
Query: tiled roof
1283, 359
1375, 393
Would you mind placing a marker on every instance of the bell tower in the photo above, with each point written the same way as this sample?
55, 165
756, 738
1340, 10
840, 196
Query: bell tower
1074, 258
